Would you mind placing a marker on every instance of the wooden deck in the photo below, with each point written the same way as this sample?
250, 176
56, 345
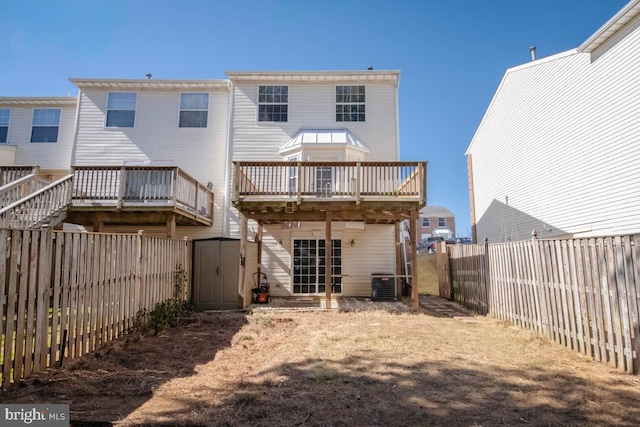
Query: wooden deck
377, 192
138, 195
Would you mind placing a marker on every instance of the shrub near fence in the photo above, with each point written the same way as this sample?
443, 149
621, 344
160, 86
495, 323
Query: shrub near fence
66, 294
581, 293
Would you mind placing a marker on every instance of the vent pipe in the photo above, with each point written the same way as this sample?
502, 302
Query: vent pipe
532, 49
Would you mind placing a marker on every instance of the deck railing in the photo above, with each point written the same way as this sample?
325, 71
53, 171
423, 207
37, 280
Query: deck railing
8, 174
328, 180
46, 206
130, 186
20, 188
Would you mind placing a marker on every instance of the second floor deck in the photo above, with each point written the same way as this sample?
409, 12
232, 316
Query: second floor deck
302, 190
139, 194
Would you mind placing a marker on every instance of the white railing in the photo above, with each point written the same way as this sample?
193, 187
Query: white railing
46, 206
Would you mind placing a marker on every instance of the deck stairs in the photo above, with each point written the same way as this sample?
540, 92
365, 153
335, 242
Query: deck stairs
31, 202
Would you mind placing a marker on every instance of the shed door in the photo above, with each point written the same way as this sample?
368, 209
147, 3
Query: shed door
215, 275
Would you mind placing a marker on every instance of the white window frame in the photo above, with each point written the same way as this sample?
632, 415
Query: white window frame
180, 110
135, 111
428, 224
6, 125
344, 103
442, 221
57, 125
265, 103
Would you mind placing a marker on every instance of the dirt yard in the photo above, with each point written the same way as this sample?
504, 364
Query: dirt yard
286, 368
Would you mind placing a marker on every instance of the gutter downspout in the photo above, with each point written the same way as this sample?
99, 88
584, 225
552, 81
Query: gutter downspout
226, 228
74, 149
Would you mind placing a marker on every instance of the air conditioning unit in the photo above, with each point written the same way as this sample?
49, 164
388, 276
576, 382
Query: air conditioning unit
383, 287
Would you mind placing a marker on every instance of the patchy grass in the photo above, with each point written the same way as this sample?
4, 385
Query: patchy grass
338, 369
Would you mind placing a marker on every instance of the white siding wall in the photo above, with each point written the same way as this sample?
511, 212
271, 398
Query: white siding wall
7, 155
374, 252
46, 155
560, 140
313, 106
201, 152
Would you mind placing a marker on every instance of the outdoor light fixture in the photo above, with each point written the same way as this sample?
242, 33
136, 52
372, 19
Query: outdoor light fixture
353, 243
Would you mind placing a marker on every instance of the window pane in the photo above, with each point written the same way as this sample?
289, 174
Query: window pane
5, 114
194, 101
193, 119
44, 134
4, 131
120, 118
122, 101
46, 117
350, 103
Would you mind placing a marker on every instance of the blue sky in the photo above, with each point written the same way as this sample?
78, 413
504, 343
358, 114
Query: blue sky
452, 54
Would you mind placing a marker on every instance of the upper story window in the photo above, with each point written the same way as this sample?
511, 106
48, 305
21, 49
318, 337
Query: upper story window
121, 109
45, 124
442, 222
350, 104
273, 103
194, 110
425, 222
5, 116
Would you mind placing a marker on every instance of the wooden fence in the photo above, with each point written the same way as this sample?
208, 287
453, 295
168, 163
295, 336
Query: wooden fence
66, 294
581, 293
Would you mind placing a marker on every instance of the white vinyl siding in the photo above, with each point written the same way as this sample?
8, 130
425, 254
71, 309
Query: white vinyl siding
314, 107
557, 151
201, 152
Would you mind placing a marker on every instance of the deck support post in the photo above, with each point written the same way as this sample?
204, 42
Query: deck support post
171, 226
97, 225
327, 256
259, 242
413, 235
399, 258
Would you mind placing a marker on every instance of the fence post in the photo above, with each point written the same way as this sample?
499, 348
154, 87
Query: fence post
486, 277
539, 285
138, 301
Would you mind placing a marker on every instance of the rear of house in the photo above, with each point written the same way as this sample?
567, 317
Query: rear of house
556, 152
312, 133
160, 125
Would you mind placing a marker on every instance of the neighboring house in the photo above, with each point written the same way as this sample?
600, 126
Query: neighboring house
290, 174
38, 131
557, 151
436, 221
162, 123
